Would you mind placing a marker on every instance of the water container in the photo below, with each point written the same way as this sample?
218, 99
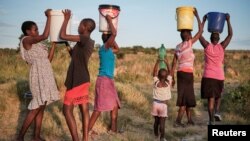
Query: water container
57, 19
111, 10
216, 21
185, 18
162, 55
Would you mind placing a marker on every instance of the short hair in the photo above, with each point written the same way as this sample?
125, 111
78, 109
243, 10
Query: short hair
27, 26
105, 37
161, 71
89, 23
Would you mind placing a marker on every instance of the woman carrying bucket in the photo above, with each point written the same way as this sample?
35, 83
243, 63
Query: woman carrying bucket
106, 97
213, 75
185, 79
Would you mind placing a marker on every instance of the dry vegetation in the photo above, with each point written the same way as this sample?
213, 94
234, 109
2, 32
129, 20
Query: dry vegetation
133, 81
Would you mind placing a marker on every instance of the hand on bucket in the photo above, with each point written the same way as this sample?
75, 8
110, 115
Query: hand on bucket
205, 18
227, 17
48, 12
67, 14
108, 17
195, 12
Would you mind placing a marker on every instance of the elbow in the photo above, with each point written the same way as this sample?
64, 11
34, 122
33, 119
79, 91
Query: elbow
114, 33
62, 35
45, 36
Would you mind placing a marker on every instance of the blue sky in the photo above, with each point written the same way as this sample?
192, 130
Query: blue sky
141, 22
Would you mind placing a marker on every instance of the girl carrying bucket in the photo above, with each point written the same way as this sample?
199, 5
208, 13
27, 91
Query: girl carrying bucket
78, 77
185, 79
161, 94
106, 97
213, 76
41, 78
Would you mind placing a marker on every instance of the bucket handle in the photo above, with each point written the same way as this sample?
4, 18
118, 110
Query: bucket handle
111, 17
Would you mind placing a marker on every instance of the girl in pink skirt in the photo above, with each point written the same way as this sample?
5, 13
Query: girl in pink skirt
106, 98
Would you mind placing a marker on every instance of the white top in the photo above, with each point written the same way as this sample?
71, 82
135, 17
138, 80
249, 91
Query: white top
162, 93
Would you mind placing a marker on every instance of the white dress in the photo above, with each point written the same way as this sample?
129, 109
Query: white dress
41, 78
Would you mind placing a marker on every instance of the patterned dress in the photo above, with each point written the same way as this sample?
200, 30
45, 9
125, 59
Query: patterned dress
41, 78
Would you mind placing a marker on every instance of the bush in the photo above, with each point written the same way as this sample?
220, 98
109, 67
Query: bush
238, 100
120, 55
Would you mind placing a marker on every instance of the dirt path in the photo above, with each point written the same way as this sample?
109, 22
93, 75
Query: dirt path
138, 128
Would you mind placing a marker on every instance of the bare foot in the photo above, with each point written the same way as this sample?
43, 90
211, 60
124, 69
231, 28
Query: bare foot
38, 139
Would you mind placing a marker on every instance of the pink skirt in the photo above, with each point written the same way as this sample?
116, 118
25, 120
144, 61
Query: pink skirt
106, 97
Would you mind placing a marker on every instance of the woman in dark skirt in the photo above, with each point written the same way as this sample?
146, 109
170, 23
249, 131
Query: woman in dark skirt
185, 79
213, 76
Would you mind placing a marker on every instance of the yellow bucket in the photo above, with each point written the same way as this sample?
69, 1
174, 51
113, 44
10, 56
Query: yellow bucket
185, 18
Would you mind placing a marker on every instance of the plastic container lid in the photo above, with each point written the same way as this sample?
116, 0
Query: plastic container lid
107, 6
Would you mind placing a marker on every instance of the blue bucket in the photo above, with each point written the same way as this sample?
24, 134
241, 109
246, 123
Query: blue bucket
216, 21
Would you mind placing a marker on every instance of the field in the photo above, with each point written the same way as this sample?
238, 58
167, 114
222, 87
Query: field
134, 84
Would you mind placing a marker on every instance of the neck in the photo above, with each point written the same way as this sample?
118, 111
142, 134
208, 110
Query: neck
162, 80
86, 34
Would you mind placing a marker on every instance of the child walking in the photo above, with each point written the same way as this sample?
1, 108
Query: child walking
106, 98
78, 78
161, 95
185, 79
213, 76
41, 78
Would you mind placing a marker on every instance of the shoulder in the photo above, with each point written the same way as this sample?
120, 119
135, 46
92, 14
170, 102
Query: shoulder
155, 79
86, 41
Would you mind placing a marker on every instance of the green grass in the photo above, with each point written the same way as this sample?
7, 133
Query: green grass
133, 81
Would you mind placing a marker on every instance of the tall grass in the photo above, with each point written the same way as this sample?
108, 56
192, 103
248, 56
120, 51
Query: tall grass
133, 80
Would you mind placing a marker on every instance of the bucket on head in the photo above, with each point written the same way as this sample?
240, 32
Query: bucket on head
185, 18
216, 21
162, 55
111, 10
57, 19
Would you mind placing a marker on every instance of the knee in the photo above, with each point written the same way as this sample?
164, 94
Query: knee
66, 110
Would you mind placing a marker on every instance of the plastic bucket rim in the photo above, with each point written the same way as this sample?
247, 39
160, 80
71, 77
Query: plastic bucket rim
56, 12
184, 7
103, 6
217, 13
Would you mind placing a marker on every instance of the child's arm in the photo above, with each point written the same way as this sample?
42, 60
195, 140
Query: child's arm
202, 40
230, 33
111, 41
52, 51
167, 64
63, 34
198, 34
27, 42
173, 68
156, 68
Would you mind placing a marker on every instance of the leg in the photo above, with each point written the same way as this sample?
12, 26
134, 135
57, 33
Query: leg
28, 120
156, 126
85, 117
189, 115
211, 109
217, 109
114, 115
93, 119
180, 114
38, 124
70, 119
217, 104
162, 127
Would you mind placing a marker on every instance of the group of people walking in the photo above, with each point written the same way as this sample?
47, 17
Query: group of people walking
44, 90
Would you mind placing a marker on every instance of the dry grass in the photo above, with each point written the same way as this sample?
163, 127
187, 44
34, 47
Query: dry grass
133, 81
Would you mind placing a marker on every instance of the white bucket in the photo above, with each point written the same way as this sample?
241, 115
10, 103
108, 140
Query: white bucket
57, 19
111, 10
